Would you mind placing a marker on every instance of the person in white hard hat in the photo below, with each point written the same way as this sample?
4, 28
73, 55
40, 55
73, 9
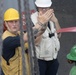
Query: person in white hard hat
48, 43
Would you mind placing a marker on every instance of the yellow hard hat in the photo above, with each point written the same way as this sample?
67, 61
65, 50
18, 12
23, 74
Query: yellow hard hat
11, 14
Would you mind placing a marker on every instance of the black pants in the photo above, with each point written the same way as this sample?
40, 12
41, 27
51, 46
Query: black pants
48, 67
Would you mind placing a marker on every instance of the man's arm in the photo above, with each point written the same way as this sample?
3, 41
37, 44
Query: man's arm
55, 21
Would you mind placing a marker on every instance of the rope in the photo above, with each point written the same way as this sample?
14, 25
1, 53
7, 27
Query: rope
68, 29
22, 42
1, 30
33, 61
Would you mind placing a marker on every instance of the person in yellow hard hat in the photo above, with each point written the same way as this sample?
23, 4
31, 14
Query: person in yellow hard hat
49, 45
11, 51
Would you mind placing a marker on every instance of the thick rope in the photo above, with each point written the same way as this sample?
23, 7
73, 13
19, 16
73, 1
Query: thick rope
33, 61
22, 42
1, 30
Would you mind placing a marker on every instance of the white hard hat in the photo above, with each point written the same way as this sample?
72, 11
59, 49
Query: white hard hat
43, 3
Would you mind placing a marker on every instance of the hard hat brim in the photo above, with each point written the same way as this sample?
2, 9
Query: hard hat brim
43, 5
70, 57
11, 19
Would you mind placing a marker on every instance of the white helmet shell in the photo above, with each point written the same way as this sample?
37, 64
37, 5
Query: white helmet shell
43, 3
